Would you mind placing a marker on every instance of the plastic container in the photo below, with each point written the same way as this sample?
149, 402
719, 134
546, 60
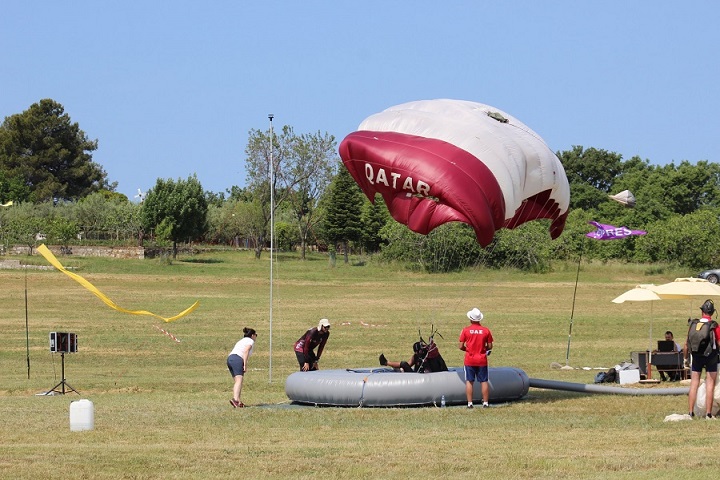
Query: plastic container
82, 415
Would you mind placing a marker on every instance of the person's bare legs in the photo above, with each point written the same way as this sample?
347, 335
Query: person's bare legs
469, 392
710, 380
692, 395
237, 388
486, 391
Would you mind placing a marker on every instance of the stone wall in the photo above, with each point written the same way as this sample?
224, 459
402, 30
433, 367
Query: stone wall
85, 251
6, 264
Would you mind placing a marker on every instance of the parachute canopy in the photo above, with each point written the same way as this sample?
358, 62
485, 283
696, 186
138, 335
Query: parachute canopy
439, 161
625, 197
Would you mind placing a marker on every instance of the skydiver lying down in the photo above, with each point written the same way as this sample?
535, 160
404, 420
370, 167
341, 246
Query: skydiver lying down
426, 358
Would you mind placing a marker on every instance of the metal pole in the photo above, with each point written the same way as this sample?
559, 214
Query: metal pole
272, 235
62, 371
27, 328
572, 312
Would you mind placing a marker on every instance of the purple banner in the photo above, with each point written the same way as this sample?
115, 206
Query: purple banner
610, 232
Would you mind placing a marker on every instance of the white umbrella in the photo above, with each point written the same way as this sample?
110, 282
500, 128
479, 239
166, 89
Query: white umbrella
687, 288
641, 293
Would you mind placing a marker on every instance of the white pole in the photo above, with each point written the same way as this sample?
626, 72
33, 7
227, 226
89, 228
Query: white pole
272, 235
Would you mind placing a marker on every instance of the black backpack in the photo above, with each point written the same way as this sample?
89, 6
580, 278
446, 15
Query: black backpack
700, 336
607, 377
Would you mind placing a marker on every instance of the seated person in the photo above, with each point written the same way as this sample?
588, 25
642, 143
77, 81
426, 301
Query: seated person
674, 376
426, 358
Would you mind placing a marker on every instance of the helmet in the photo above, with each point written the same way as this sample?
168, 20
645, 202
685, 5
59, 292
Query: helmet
419, 347
708, 307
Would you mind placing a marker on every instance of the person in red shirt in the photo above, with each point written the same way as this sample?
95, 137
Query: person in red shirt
477, 342
315, 337
708, 359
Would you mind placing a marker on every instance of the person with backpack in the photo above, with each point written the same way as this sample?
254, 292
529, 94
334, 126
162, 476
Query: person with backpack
426, 358
702, 344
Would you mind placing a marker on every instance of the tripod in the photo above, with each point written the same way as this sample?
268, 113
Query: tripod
62, 383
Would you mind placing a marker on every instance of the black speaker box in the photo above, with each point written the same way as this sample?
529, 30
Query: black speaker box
63, 342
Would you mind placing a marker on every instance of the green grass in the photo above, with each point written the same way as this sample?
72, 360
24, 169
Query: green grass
162, 411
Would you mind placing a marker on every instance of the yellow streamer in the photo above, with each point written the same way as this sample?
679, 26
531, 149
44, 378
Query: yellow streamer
45, 252
7, 204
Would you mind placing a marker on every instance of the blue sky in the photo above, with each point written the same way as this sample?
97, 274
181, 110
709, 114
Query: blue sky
171, 88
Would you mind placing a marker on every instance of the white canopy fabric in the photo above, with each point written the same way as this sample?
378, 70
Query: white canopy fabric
517, 156
625, 197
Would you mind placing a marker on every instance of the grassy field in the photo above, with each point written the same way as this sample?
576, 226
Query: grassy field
162, 410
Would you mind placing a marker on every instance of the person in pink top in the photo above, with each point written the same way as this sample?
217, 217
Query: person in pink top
477, 342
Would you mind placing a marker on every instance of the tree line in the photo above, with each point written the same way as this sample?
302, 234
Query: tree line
61, 195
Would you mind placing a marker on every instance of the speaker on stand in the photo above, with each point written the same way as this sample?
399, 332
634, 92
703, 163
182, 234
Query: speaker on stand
62, 343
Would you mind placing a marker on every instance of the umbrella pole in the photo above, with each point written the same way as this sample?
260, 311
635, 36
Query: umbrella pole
572, 312
650, 343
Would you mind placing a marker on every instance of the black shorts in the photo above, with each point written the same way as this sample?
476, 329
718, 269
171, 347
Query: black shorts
700, 361
301, 359
236, 365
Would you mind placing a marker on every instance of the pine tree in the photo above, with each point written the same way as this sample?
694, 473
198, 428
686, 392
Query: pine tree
343, 209
42, 149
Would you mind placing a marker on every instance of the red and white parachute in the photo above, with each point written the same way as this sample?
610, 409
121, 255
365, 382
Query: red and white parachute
438, 161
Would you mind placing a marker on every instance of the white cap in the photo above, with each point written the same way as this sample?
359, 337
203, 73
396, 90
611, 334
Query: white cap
324, 322
475, 315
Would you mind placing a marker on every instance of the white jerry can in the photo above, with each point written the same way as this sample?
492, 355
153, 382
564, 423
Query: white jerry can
82, 415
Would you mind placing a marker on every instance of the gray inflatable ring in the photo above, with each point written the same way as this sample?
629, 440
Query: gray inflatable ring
383, 387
